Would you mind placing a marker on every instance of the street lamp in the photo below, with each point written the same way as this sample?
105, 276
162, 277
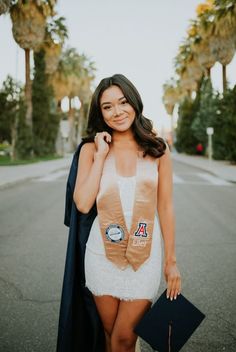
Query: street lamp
210, 131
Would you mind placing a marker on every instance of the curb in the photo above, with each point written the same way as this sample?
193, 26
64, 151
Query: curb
206, 169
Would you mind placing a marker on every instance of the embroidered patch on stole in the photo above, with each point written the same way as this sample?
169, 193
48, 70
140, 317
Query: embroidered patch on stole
142, 230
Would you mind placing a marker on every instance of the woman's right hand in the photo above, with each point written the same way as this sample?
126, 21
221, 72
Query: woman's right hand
101, 142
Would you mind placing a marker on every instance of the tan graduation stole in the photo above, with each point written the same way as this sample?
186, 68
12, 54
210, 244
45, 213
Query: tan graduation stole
121, 246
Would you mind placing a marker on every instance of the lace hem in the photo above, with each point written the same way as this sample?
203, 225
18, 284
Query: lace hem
123, 298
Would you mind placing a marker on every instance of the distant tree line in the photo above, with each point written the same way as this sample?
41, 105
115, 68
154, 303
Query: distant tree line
211, 38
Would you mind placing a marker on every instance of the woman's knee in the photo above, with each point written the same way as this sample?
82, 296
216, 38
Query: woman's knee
124, 340
108, 330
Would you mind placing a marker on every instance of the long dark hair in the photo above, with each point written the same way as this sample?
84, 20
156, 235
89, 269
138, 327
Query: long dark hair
142, 127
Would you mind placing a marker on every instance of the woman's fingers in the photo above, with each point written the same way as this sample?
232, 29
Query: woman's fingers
107, 137
176, 288
169, 284
102, 140
103, 135
173, 288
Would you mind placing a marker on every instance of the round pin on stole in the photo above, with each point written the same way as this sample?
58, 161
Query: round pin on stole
114, 233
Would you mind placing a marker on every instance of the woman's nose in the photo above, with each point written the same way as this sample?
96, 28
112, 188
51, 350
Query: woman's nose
117, 110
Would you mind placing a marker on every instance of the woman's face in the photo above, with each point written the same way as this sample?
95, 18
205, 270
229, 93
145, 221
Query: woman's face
116, 111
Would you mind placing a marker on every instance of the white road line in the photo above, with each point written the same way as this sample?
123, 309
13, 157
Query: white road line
53, 176
213, 179
205, 180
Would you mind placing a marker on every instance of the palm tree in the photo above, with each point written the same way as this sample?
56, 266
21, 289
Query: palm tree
217, 26
195, 70
56, 33
64, 78
184, 56
200, 47
225, 31
28, 27
84, 92
73, 78
80, 86
4, 6
59, 81
171, 95
188, 69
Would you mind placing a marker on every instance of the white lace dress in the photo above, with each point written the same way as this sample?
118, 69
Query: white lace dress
105, 278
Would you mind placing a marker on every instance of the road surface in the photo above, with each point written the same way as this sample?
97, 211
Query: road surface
32, 255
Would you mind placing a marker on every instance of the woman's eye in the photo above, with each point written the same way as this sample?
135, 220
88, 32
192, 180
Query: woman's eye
124, 102
107, 107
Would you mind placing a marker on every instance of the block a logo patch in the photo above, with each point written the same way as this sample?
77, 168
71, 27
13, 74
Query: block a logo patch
142, 230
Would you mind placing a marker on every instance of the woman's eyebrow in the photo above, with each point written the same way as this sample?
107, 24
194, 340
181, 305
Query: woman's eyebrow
108, 102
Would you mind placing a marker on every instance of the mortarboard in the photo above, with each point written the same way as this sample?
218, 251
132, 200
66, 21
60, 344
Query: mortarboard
167, 325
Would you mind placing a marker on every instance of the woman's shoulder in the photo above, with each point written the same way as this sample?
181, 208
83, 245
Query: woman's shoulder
87, 152
88, 148
164, 156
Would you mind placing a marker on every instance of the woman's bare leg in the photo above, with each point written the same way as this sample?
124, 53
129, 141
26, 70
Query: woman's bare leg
108, 342
123, 339
107, 307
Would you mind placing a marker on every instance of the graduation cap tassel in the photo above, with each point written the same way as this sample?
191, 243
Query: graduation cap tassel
169, 336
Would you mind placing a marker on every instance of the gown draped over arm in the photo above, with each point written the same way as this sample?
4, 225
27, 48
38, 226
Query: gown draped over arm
80, 327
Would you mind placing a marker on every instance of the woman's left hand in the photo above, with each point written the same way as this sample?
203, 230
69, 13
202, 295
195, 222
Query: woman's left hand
173, 280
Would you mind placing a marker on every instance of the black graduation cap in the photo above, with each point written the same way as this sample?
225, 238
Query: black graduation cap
169, 324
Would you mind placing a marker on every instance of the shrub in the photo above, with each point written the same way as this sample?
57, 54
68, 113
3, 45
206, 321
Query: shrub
45, 119
224, 123
185, 140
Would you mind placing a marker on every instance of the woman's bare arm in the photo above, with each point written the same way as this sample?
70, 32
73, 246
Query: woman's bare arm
88, 177
165, 205
167, 222
91, 161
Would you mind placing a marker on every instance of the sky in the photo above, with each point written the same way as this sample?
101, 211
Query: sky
138, 38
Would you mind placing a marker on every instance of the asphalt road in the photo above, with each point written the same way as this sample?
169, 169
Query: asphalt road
33, 243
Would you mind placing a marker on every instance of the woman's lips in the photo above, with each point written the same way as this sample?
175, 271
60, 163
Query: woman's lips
120, 121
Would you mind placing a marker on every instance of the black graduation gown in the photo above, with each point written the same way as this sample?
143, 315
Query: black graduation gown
80, 328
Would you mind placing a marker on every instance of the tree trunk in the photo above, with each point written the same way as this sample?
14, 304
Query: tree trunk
14, 138
59, 106
189, 93
71, 119
81, 122
172, 130
28, 89
209, 72
224, 78
198, 85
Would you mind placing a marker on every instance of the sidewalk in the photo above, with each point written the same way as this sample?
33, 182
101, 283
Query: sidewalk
219, 168
10, 175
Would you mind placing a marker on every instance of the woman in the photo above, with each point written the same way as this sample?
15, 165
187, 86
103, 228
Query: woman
126, 169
